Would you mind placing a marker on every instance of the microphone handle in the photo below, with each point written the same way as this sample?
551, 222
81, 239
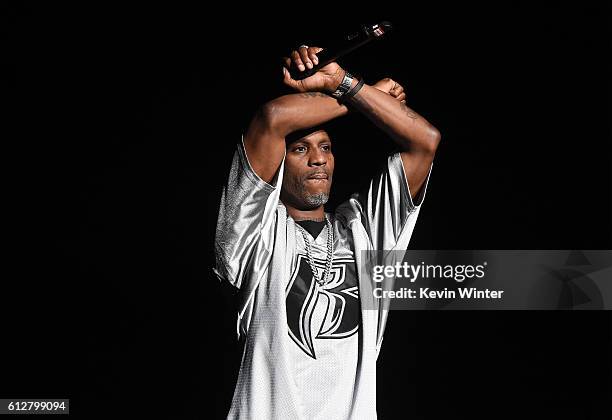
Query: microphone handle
332, 52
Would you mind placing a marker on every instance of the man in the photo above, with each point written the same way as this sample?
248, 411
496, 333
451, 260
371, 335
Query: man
311, 338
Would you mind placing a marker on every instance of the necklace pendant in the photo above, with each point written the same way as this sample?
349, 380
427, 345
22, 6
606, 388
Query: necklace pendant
324, 279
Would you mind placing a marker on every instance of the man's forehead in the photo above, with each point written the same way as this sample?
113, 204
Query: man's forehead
308, 136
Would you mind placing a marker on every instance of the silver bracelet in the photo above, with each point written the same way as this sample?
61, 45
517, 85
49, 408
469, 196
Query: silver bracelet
345, 85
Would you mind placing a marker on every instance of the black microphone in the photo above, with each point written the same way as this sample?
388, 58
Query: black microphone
342, 47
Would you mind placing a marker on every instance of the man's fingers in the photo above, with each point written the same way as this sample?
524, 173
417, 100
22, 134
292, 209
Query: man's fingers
297, 61
387, 85
397, 90
287, 80
396, 94
401, 97
303, 51
313, 56
287, 62
305, 57
312, 53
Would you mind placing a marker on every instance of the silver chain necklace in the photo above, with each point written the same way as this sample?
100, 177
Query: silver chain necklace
330, 252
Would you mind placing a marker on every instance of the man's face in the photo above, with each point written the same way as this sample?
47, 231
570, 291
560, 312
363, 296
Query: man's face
309, 167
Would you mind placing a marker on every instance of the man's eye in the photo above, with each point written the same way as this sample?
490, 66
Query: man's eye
300, 149
326, 147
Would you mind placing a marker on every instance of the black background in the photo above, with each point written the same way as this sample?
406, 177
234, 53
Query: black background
122, 126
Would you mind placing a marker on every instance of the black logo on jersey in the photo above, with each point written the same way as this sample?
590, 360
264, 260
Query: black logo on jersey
341, 294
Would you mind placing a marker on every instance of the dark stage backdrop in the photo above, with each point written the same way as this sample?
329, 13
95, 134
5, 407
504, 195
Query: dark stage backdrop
126, 124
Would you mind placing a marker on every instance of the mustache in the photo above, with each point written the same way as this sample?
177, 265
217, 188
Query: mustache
319, 173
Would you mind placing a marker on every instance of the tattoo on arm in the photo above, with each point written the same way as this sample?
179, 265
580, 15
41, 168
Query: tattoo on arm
307, 95
362, 103
408, 111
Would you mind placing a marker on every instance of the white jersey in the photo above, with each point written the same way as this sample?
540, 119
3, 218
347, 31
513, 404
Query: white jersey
324, 323
310, 351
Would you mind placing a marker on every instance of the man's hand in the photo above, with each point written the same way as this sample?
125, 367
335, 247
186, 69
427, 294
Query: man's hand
392, 88
327, 79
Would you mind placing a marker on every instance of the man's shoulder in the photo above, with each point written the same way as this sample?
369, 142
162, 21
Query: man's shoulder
347, 214
348, 211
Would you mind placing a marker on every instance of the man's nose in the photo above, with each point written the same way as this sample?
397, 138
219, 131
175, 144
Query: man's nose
317, 158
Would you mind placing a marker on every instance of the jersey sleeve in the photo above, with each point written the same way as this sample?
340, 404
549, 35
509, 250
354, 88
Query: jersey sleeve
246, 223
386, 208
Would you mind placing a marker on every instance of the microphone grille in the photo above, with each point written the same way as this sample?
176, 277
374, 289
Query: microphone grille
382, 28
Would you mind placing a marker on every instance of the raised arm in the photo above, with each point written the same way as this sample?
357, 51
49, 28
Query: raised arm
385, 104
265, 138
416, 137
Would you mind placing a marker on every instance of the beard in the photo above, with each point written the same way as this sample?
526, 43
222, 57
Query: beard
295, 192
316, 200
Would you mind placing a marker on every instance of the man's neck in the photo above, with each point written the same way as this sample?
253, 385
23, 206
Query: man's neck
317, 214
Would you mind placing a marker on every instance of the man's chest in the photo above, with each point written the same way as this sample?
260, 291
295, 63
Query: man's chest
329, 311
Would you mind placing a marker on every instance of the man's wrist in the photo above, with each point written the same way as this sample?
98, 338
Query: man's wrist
348, 82
354, 83
354, 90
335, 81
